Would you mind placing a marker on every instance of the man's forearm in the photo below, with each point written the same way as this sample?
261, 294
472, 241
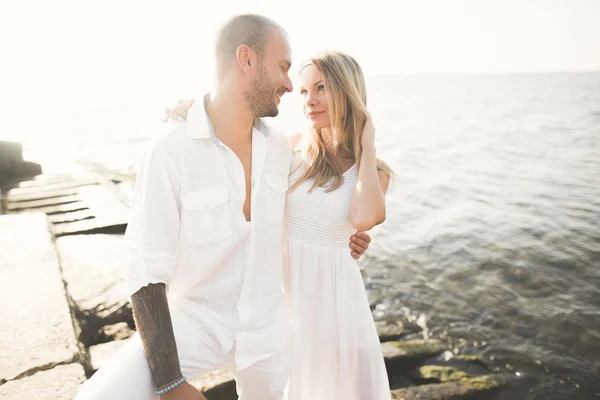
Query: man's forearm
153, 322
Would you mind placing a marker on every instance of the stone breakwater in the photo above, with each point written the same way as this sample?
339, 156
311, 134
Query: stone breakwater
61, 243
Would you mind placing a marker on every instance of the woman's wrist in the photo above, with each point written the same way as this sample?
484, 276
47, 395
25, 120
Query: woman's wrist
368, 151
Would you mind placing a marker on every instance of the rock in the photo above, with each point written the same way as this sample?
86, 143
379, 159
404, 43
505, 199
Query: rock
26, 169
393, 326
218, 385
10, 153
69, 217
100, 353
75, 205
418, 348
389, 331
401, 357
120, 331
90, 266
470, 364
439, 373
12, 166
110, 215
42, 188
58, 383
37, 328
25, 205
47, 180
481, 387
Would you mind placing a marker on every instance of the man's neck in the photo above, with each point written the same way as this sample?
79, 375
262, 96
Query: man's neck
230, 117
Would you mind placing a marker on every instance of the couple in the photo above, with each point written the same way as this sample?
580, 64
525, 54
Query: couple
208, 226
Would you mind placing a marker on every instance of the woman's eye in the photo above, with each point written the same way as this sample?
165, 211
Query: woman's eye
321, 87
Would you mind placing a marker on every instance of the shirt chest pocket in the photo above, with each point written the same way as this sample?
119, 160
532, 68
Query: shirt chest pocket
277, 186
206, 218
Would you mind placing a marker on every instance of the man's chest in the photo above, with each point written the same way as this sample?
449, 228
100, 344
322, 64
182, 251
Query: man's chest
222, 189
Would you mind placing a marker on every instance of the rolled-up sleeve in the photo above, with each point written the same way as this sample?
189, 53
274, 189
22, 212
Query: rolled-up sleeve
152, 235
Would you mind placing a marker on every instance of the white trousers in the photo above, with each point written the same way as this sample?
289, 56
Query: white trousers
126, 375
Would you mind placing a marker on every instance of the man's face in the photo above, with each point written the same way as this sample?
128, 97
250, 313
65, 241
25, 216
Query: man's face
271, 80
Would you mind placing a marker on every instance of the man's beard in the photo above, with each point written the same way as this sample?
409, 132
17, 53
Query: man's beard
261, 96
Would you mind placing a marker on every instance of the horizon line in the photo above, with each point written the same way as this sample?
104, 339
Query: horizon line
454, 73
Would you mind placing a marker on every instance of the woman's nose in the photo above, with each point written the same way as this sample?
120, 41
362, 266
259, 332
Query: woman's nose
310, 100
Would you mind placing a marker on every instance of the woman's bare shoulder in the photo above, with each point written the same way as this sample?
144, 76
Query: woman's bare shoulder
295, 139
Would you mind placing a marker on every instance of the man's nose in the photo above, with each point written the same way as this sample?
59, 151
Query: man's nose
287, 84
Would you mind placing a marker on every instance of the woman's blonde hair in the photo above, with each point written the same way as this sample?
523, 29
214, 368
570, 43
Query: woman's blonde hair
346, 92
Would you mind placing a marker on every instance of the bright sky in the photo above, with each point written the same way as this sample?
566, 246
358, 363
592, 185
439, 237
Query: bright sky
79, 53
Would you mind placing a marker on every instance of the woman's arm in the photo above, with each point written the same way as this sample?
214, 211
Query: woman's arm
367, 207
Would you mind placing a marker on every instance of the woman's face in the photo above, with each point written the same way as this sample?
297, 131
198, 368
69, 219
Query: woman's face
315, 101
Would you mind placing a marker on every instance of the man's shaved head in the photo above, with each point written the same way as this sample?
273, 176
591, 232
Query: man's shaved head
246, 29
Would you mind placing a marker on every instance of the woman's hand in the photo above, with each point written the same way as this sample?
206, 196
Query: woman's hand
367, 138
179, 113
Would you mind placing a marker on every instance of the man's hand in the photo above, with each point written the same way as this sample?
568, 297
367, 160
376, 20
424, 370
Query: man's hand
359, 243
185, 391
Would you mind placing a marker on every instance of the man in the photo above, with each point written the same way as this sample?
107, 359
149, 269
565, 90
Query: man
207, 227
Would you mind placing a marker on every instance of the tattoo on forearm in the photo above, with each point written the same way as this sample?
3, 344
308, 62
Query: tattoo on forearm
153, 323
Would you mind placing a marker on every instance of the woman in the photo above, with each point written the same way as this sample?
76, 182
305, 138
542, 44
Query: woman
337, 187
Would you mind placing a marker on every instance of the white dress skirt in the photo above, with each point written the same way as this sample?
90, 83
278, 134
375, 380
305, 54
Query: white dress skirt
335, 350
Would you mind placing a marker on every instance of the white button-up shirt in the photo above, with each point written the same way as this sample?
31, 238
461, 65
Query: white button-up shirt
188, 231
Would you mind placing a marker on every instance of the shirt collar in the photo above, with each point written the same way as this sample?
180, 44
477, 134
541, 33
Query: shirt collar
199, 125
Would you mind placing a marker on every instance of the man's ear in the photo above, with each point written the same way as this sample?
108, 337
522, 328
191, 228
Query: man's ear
245, 58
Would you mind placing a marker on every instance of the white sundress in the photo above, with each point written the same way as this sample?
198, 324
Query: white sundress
335, 349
